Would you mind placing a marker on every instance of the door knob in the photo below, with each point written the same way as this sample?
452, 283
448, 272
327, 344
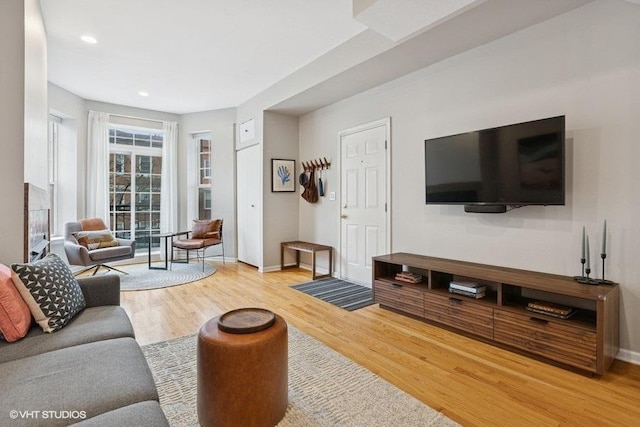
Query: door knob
343, 216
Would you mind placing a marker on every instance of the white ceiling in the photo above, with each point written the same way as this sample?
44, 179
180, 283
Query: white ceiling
198, 55
189, 55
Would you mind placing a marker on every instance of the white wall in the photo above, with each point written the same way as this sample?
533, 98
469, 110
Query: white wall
221, 125
280, 222
72, 139
584, 64
35, 96
12, 52
23, 116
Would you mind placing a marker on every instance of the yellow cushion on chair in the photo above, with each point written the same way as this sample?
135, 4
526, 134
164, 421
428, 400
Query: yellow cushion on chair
96, 239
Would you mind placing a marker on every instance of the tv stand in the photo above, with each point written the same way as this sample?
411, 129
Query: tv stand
588, 341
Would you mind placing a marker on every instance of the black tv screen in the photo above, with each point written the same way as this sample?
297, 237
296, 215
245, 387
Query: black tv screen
518, 164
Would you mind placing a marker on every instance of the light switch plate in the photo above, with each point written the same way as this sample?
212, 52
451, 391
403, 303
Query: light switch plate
332, 195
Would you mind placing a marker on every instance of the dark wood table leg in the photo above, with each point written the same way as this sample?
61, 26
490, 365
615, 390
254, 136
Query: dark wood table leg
281, 257
313, 265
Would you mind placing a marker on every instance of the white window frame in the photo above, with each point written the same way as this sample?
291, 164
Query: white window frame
53, 145
203, 170
134, 151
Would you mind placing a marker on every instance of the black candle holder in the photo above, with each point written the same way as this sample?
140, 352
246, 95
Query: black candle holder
603, 281
587, 280
582, 277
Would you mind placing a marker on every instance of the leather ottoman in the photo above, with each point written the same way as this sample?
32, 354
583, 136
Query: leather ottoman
242, 369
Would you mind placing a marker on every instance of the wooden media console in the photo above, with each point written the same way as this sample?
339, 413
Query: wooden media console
587, 341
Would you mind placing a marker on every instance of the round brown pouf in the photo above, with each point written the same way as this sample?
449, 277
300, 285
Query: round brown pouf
242, 377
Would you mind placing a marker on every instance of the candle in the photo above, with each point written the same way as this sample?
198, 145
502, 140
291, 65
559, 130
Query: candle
587, 252
583, 242
604, 238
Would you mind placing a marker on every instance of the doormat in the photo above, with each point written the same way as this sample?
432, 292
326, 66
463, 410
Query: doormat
346, 295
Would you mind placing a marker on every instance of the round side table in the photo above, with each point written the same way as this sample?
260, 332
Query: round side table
243, 369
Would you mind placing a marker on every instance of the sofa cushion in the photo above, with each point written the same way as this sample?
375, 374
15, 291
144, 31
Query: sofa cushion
50, 290
93, 324
143, 414
15, 317
97, 239
95, 378
110, 253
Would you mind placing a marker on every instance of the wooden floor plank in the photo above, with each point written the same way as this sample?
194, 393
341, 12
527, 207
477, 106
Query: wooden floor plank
474, 383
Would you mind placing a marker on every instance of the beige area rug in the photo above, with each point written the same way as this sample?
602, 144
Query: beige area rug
325, 388
141, 278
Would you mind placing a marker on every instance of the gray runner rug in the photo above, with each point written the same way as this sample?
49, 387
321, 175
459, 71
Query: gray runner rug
325, 388
347, 295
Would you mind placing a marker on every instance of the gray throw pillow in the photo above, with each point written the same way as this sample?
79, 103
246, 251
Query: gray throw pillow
50, 290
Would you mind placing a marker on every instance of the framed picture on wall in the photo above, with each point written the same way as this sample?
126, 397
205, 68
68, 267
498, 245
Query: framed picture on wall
283, 174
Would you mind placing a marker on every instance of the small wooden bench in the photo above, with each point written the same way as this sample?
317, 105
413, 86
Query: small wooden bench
311, 248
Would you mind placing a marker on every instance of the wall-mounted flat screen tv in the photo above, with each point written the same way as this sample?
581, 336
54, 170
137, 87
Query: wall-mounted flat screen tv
513, 165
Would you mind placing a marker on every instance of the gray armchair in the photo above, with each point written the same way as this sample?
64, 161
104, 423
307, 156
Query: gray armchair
89, 243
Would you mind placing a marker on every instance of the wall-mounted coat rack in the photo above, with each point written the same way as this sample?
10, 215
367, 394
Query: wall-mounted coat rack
312, 165
311, 189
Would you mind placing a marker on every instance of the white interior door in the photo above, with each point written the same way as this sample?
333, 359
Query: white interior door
363, 199
249, 161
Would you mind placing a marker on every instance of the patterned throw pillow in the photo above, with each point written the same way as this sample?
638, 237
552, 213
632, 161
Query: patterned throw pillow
50, 290
96, 239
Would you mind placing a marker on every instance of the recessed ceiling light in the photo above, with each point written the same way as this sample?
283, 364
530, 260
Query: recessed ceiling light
89, 39
143, 93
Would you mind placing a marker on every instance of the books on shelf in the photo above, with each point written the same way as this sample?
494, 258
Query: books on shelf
571, 312
476, 295
408, 277
550, 307
471, 287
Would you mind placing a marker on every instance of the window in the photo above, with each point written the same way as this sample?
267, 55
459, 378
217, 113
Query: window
135, 174
52, 157
203, 142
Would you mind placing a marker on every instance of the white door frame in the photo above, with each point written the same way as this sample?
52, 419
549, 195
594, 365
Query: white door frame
382, 122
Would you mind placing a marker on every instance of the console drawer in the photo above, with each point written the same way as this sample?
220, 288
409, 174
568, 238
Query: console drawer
563, 342
407, 298
461, 314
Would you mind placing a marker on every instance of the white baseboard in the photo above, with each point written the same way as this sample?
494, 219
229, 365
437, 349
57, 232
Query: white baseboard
629, 356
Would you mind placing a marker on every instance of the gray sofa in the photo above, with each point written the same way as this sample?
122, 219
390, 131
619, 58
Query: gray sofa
91, 372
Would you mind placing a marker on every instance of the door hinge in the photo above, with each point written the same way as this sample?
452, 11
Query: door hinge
385, 207
385, 144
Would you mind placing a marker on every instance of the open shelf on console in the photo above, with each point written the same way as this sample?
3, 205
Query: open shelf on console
490, 299
393, 281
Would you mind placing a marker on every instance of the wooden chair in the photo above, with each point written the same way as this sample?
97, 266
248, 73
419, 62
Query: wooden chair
204, 234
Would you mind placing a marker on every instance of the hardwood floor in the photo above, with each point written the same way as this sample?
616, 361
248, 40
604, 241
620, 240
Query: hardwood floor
474, 383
